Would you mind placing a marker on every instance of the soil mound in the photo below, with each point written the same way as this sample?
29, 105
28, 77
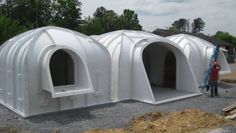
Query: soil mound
186, 121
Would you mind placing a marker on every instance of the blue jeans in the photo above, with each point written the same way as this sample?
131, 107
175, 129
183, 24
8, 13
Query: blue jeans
214, 87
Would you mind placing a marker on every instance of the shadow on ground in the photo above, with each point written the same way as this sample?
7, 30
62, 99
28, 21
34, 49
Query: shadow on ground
225, 85
70, 116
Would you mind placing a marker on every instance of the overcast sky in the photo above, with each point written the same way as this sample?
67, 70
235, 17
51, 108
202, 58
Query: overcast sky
217, 14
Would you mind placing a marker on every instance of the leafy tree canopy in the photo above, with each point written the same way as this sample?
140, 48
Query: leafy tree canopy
92, 26
66, 13
130, 20
21, 15
100, 12
28, 14
225, 36
9, 28
104, 20
198, 25
183, 25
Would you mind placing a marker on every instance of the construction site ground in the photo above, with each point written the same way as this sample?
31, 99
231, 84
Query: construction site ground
230, 77
117, 115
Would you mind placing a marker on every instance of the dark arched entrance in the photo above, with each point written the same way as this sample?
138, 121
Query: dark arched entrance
62, 68
165, 69
170, 70
160, 65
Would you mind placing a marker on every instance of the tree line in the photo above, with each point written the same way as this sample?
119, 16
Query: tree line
17, 16
198, 25
225, 36
104, 20
184, 25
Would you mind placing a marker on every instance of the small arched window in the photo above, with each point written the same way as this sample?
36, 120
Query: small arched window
62, 68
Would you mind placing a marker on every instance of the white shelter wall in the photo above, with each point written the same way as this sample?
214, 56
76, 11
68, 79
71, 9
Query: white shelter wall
129, 77
125, 67
21, 71
141, 89
100, 79
223, 63
184, 76
199, 53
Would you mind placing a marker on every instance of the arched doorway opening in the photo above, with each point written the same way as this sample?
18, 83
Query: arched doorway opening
160, 64
62, 68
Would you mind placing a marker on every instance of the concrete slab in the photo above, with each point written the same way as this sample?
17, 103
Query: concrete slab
163, 95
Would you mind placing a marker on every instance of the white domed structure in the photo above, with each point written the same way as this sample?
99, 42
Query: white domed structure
199, 53
51, 69
147, 68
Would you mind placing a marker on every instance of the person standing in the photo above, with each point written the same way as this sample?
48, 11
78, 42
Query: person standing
214, 79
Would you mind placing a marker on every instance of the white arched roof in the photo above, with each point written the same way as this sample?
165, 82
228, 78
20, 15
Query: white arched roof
26, 82
199, 52
129, 78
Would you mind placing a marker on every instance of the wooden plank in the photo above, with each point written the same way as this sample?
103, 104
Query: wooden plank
231, 117
232, 112
229, 108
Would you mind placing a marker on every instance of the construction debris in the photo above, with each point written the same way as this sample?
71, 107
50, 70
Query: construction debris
231, 117
229, 108
230, 111
186, 121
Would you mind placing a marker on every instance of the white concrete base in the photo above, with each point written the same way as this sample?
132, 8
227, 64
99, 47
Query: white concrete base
164, 95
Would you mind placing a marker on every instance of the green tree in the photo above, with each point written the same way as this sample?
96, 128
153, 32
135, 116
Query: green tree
225, 36
181, 25
103, 21
27, 12
43, 13
21, 15
17, 16
107, 18
100, 12
129, 20
173, 29
198, 25
110, 20
66, 13
9, 28
91, 26
6, 7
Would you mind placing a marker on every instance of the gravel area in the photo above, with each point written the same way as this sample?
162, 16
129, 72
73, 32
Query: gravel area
112, 115
116, 115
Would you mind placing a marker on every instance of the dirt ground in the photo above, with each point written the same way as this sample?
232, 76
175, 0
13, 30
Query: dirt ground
230, 77
233, 66
186, 121
119, 117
